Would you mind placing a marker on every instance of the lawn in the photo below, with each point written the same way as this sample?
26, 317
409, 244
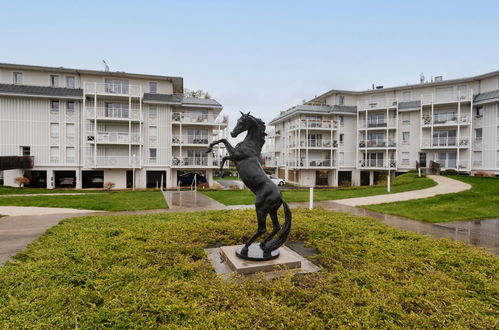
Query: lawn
14, 190
480, 202
150, 271
404, 182
107, 201
227, 178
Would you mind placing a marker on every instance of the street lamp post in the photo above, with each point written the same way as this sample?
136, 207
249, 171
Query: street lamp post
133, 172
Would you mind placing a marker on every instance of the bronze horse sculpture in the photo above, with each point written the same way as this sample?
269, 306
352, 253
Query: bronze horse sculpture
246, 156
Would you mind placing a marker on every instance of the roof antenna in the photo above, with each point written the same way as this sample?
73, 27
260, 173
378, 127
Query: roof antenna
106, 67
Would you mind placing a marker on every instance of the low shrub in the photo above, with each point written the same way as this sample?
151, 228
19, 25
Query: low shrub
203, 185
109, 185
22, 181
450, 172
485, 174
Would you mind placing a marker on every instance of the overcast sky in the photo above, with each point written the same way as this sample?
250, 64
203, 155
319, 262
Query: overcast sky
258, 56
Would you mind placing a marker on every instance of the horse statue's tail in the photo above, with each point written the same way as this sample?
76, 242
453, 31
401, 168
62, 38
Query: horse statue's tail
277, 242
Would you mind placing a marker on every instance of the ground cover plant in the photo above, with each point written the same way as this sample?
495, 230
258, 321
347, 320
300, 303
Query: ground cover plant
480, 202
404, 182
106, 201
150, 271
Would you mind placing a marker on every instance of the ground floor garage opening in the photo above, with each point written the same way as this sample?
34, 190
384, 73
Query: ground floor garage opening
380, 177
364, 178
37, 179
155, 178
186, 178
64, 179
92, 179
344, 178
321, 178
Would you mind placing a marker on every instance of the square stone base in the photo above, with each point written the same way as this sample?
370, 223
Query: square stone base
225, 261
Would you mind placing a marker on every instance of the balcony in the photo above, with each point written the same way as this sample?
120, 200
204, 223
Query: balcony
114, 162
318, 144
445, 142
314, 124
312, 163
445, 119
195, 162
112, 114
452, 164
199, 119
380, 104
377, 163
442, 98
190, 140
377, 124
115, 138
112, 89
377, 144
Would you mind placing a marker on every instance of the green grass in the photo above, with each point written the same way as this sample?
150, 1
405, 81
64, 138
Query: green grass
106, 201
227, 178
150, 271
480, 202
13, 190
404, 182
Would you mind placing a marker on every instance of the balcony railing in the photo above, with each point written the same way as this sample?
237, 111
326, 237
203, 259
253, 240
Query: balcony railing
190, 139
117, 137
445, 119
379, 104
318, 143
314, 124
445, 142
187, 118
377, 123
195, 161
323, 163
377, 163
113, 89
114, 162
112, 113
451, 97
377, 144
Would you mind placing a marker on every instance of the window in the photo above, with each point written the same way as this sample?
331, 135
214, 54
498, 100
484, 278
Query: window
342, 120
153, 112
70, 155
18, 78
341, 138
405, 158
406, 96
341, 99
197, 136
54, 80
70, 107
70, 131
478, 134
479, 112
444, 138
117, 110
153, 133
153, 87
406, 118
376, 120
54, 106
70, 82
54, 130
116, 86
406, 137
25, 151
54, 154
153, 154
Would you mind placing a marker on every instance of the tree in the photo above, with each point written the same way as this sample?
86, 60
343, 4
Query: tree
22, 180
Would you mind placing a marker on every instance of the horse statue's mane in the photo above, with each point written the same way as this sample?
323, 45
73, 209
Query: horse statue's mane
261, 128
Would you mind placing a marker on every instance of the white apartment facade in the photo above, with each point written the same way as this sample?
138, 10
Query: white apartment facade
351, 137
86, 127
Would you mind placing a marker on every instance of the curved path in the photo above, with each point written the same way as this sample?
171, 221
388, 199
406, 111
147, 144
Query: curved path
444, 185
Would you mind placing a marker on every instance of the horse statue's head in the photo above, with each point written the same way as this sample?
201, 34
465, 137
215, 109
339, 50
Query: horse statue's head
245, 123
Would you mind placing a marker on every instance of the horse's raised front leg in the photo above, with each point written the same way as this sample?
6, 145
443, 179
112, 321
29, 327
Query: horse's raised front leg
230, 148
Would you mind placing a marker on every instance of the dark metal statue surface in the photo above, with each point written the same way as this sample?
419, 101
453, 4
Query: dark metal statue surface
246, 156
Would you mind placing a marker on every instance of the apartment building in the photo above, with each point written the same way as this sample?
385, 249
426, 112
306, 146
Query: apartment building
86, 127
357, 137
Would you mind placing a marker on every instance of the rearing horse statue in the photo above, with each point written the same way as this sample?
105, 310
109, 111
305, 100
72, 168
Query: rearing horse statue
246, 156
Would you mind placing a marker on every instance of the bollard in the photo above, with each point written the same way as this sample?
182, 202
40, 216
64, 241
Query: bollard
419, 171
388, 182
311, 199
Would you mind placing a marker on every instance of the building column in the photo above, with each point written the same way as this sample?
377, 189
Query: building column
50, 179
78, 179
371, 178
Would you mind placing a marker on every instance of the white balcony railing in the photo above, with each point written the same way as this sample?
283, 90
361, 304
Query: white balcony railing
445, 119
190, 139
113, 162
119, 89
378, 104
196, 118
322, 163
445, 142
377, 144
314, 124
112, 113
117, 137
195, 161
377, 163
377, 123
318, 143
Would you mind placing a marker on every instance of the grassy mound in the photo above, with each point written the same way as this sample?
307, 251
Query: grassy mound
151, 271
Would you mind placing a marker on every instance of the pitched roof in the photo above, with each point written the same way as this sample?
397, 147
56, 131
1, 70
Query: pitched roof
409, 105
176, 99
41, 91
315, 109
488, 96
161, 98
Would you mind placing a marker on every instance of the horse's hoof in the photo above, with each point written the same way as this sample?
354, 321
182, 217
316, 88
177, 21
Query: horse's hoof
262, 245
244, 251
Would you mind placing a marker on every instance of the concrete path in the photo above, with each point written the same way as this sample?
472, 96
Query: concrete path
190, 201
32, 210
50, 194
444, 185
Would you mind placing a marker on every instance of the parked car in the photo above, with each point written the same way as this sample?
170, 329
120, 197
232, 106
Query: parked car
67, 182
188, 178
276, 180
96, 182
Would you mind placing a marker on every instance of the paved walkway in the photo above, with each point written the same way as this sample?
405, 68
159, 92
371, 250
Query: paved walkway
32, 210
444, 186
49, 194
190, 201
